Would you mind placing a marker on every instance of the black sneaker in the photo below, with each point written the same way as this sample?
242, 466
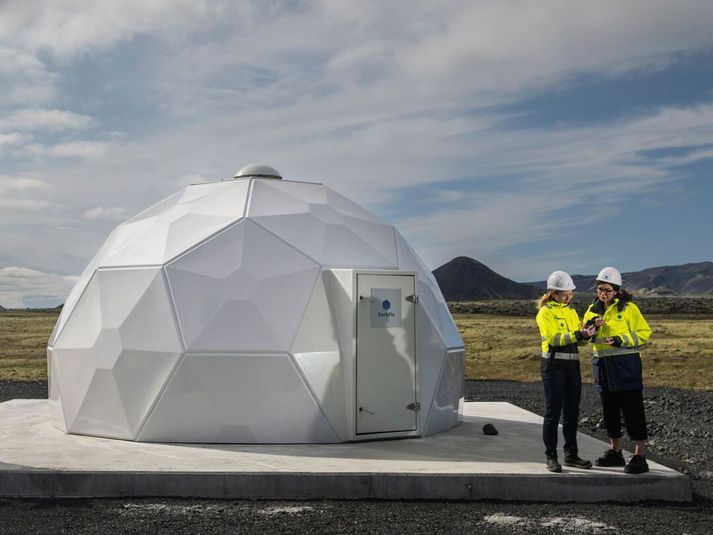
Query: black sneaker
637, 465
553, 465
572, 459
611, 458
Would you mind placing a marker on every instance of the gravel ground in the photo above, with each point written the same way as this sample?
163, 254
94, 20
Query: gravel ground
681, 428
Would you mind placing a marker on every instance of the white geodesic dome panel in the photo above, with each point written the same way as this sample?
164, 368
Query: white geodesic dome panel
244, 288
231, 398
224, 313
170, 227
163, 231
114, 355
323, 225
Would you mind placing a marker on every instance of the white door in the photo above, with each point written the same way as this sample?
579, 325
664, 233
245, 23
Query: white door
385, 354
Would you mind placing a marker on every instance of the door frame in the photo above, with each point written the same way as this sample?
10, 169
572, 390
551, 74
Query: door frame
354, 402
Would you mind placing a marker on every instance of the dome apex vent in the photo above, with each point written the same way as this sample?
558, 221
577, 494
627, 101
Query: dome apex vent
258, 170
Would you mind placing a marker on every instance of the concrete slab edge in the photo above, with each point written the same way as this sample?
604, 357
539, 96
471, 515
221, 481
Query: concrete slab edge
53, 484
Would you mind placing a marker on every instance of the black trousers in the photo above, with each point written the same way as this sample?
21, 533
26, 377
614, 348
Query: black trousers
563, 389
630, 404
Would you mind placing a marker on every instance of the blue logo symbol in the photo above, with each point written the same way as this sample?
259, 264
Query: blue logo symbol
386, 304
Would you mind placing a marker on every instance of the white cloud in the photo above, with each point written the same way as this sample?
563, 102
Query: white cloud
43, 119
20, 193
24, 204
21, 287
510, 46
13, 138
84, 149
101, 213
14, 183
68, 27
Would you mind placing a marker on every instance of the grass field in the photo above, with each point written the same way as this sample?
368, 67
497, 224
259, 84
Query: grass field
680, 352
23, 342
497, 347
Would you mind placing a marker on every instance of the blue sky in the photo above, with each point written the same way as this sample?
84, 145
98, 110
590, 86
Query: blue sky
532, 136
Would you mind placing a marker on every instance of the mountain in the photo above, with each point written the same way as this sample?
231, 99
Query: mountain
466, 279
686, 280
2, 308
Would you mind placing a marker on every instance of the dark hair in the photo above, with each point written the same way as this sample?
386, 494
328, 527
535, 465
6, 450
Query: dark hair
624, 298
621, 293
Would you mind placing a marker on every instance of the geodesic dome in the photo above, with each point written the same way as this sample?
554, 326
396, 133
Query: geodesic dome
255, 310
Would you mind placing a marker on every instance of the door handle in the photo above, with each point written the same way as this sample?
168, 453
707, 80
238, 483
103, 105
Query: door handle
362, 409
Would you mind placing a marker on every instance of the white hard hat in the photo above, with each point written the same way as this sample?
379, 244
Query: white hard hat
610, 275
560, 280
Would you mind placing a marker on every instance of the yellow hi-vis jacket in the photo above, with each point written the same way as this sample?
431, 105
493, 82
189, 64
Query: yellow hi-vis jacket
559, 331
618, 367
628, 324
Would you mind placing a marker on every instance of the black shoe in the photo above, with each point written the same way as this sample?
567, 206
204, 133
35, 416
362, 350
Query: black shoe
553, 465
636, 465
572, 459
611, 458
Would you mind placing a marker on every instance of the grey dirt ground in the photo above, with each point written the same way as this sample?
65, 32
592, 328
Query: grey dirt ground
681, 434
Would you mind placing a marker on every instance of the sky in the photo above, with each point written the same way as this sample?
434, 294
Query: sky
531, 136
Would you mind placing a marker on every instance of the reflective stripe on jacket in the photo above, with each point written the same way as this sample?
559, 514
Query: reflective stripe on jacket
614, 368
628, 324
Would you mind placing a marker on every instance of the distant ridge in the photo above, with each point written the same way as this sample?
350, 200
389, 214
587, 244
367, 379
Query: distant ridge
2, 308
466, 279
686, 280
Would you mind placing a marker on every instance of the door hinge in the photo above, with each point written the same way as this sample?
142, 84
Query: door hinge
414, 406
412, 298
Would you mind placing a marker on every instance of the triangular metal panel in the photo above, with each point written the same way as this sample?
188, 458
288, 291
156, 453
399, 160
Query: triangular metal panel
171, 227
102, 412
122, 289
220, 199
271, 198
316, 352
431, 349
140, 377
379, 237
323, 371
316, 332
242, 290
141, 242
55, 400
223, 398
78, 289
351, 209
85, 323
334, 233
74, 369
447, 409
159, 208
430, 294
120, 310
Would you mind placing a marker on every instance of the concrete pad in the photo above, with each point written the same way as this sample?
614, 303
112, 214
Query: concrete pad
37, 460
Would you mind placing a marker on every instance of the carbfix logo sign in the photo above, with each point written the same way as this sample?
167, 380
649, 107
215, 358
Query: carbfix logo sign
385, 307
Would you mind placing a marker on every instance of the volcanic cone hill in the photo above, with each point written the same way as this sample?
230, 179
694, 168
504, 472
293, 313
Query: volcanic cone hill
466, 279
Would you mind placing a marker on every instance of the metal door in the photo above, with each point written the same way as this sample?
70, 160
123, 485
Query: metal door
386, 354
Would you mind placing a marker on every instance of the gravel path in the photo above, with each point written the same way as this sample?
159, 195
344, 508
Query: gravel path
681, 427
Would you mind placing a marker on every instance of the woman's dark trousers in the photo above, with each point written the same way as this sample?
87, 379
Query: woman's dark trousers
563, 389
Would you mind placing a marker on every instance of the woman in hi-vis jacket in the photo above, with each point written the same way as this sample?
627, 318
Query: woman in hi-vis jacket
561, 332
617, 369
